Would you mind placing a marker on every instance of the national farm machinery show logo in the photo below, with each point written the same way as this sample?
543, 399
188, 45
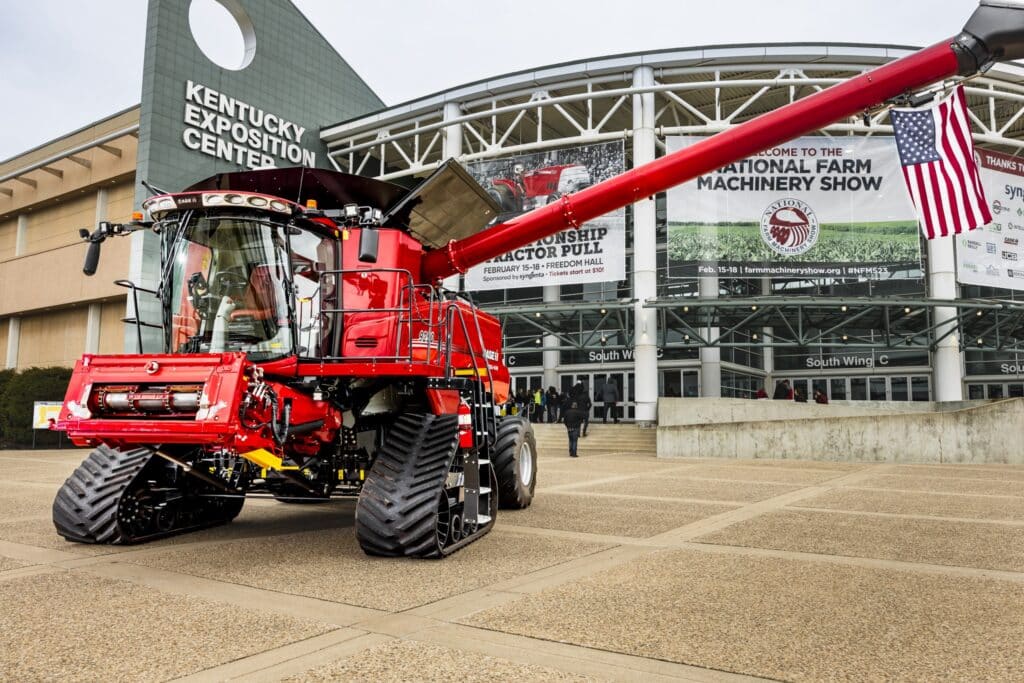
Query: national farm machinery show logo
789, 227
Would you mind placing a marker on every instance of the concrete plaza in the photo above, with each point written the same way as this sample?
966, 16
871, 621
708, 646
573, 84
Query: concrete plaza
626, 567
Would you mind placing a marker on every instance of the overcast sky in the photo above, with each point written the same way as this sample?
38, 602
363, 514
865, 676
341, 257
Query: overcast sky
66, 63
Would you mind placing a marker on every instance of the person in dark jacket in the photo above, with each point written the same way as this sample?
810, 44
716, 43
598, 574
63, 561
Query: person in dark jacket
573, 420
782, 390
553, 401
610, 397
581, 395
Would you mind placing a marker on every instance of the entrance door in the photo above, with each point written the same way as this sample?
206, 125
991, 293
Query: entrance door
626, 408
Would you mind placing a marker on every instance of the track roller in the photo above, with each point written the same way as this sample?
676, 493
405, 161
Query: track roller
413, 501
122, 497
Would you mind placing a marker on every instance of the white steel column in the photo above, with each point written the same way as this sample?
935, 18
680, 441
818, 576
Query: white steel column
645, 263
551, 353
452, 150
92, 329
21, 236
946, 360
13, 341
767, 336
710, 356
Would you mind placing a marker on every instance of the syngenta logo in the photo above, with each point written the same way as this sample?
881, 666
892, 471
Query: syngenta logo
789, 227
1013, 192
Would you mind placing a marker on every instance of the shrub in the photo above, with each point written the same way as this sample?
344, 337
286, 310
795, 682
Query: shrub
17, 394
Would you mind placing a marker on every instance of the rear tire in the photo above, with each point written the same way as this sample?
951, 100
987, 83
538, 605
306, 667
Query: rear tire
515, 463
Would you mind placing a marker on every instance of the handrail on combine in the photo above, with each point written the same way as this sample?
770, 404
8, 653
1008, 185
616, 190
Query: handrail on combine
450, 314
137, 320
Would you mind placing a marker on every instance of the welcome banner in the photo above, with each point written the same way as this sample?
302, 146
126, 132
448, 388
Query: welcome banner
811, 208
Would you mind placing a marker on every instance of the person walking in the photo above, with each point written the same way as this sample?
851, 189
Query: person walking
552, 400
581, 395
610, 397
574, 418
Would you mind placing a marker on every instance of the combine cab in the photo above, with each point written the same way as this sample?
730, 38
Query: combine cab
308, 350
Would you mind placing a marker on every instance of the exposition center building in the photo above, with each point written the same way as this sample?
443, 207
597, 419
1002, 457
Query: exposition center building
804, 263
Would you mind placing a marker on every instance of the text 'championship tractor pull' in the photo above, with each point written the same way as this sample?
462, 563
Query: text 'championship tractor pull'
310, 350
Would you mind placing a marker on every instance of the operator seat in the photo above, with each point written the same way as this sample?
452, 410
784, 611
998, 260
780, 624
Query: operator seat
260, 299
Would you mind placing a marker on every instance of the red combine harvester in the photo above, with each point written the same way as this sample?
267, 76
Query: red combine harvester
310, 351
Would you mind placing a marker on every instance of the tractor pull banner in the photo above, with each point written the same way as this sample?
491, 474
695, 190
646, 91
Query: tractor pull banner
594, 253
815, 207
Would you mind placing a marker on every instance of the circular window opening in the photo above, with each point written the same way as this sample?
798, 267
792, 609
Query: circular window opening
224, 32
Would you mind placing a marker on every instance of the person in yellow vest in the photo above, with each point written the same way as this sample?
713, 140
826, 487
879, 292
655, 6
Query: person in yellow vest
538, 405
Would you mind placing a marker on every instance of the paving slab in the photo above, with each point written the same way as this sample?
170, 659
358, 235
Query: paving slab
333, 567
548, 477
784, 619
70, 626
932, 504
1005, 472
779, 475
667, 485
780, 463
39, 471
944, 484
607, 515
963, 544
40, 532
25, 502
414, 661
605, 466
7, 563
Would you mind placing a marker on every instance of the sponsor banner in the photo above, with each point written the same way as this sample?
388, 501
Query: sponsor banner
594, 253
811, 208
993, 255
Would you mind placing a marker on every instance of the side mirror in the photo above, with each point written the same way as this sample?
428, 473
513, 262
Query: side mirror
369, 244
92, 258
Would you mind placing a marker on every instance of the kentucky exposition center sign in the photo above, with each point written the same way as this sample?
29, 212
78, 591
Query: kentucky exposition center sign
815, 207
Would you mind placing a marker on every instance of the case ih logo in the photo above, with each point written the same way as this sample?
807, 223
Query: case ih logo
789, 227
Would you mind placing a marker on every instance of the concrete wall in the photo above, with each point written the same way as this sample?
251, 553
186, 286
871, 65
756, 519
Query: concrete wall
693, 411
986, 433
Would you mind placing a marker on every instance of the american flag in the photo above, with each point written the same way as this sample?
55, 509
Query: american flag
937, 155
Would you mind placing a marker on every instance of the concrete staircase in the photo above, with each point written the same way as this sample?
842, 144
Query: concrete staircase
601, 438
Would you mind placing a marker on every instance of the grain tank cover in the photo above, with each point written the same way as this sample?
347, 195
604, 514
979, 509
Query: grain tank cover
449, 205
330, 189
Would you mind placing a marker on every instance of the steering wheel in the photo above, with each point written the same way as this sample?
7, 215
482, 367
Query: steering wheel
230, 283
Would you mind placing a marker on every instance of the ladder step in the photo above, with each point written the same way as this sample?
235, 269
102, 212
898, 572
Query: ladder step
483, 519
483, 461
484, 490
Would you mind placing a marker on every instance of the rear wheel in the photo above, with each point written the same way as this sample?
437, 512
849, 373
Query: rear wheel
515, 463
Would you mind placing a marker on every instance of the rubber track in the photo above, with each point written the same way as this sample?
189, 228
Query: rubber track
396, 512
85, 509
503, 460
